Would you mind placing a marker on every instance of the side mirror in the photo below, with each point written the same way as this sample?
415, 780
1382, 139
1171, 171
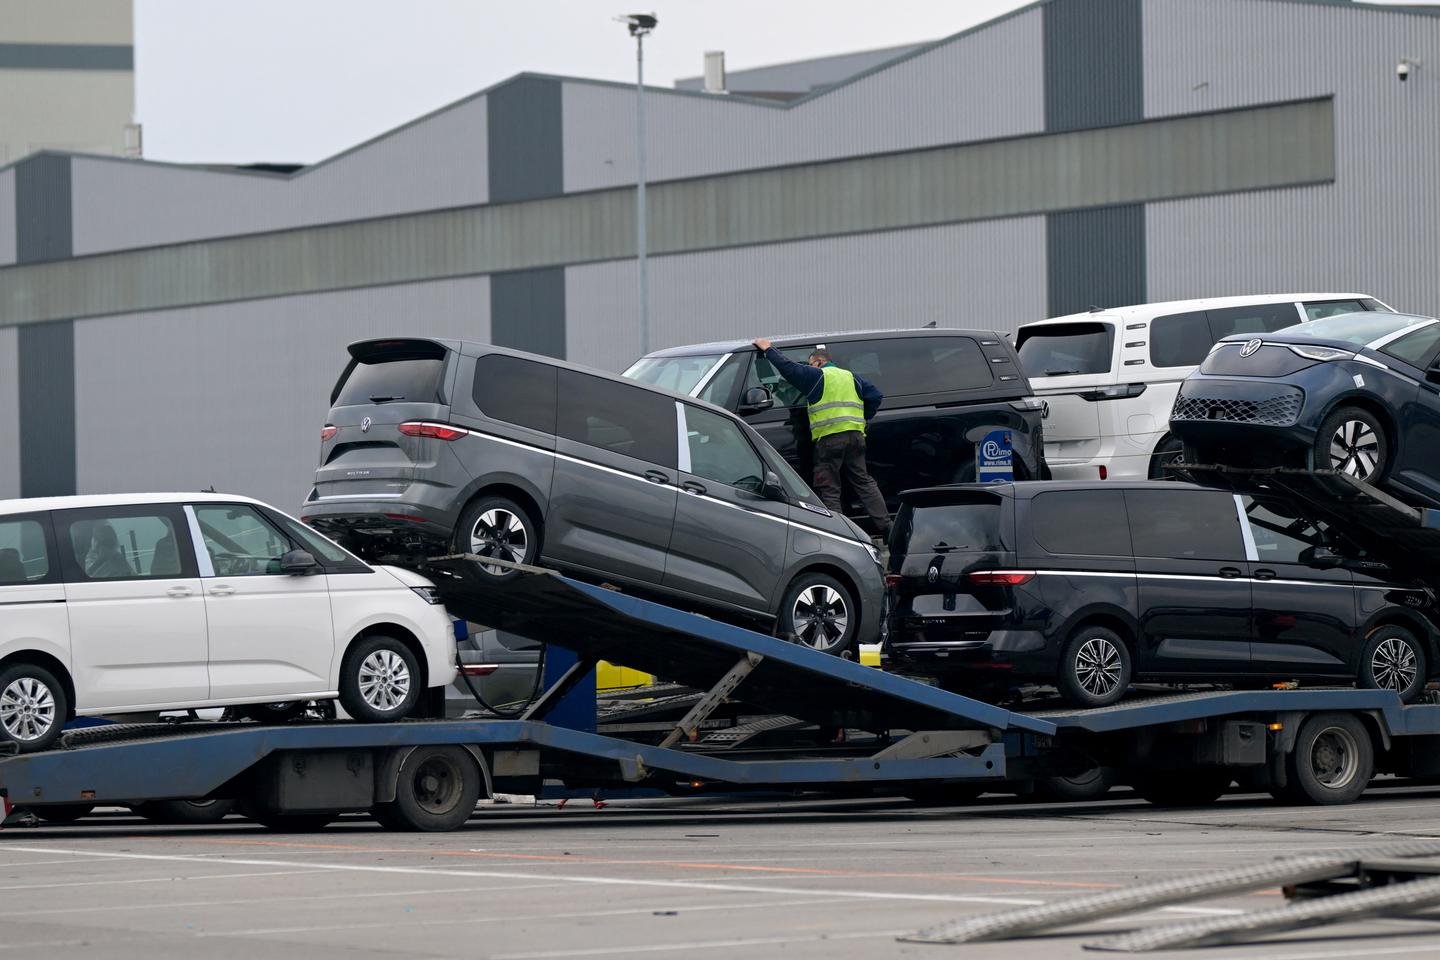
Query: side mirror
1321, 558
771, 488
755, 400
299, 563
1434, 374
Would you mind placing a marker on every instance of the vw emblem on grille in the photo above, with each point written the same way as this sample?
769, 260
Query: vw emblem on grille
1250, 347
365, 425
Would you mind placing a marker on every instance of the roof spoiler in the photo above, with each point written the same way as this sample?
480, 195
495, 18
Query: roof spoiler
397, 348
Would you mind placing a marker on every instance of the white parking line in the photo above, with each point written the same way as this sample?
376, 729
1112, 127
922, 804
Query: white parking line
114, 883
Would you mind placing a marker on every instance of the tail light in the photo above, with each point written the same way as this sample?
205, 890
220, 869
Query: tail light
892, 579
328, 431
479, 669
1104, 473
435, 431
1000, 578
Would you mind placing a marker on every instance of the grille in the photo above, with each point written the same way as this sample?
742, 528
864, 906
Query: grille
1277, 411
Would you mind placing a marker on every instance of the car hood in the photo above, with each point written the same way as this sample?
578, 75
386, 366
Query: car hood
408, 578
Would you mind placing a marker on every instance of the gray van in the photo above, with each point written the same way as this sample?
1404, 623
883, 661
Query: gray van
453, 445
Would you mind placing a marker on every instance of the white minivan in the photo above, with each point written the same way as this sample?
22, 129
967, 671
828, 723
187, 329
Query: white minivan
147, 602
1109, 377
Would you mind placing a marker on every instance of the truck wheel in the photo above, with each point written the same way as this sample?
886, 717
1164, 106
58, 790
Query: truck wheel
1089, 785
500, 528
185, 811
380, 680
63, 812
436, 790
1174, 788
1332, 762
1352, 441
819, 612
1094, 668
1394, 660
33, 707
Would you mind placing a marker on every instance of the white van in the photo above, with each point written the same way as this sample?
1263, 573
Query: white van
1110, 376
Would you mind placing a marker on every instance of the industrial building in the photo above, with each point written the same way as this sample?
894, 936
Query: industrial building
176, 327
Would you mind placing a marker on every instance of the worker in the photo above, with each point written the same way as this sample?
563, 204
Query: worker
840, 403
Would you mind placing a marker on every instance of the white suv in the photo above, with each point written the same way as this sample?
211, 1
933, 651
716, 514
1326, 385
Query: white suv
146, 602
1109, 377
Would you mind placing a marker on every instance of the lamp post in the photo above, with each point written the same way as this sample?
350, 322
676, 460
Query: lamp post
641, 24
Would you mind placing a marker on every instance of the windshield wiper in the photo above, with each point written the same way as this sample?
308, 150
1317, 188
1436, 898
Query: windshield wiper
384, 399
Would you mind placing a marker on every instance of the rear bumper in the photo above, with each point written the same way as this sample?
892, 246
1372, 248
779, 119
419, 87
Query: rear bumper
349, 519
1023, 653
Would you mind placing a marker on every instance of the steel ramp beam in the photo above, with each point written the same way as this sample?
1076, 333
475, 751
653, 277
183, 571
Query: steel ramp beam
689, 725
1028, 921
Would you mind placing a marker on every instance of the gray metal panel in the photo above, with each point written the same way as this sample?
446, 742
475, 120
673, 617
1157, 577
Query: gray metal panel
1373, 229
524, 139
7, 217
989, 275
66, 56
1093, 63
527, 311
234, 395
9, 413
802, 76
1096, 258
42, 208
46, 379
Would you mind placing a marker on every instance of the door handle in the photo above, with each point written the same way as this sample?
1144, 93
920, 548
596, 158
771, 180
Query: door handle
1265, 573
178, 592
1230, 573
222, 590
692, 487
655, 476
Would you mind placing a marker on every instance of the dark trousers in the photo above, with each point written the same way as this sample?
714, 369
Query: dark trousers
842, 456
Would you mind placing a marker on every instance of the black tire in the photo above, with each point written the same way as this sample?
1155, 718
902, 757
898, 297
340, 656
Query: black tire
272, 713
1353, 441
63, 812
185, 811
33, 707
1394, 659
1095, 668
1332, 763
292, 822
380, 680
1191, 788
501, 528
1167, 451
819, 612
943, 794
1092, 784
436, 790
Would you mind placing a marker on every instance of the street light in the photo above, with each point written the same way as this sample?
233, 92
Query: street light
640, 25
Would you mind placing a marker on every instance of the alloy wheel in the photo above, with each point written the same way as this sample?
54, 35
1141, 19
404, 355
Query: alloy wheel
1355, 449
1393, 665
1098, 666
500, 534
384, 680
27, 709
820, 617
1335, 757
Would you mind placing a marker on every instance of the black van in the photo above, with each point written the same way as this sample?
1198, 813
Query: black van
1091, 585
947, 392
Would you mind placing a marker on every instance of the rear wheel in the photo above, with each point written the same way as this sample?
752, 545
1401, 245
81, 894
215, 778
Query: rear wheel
380, 680
819, 612
1394, 660
498, 528
1352, 441
33, 707
1092, 784
436, 790
1094, 668
1332, 762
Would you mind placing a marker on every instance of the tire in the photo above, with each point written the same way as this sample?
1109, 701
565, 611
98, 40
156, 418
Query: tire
819, 612
1167, 451
33, 707
1095, 668
1394, 659
1332, 763
1353, 441
498, 527
272, 713
185, 811
942, 794
436, 790
380, 680
1092, 784
292, 822
1175, 788
63, 812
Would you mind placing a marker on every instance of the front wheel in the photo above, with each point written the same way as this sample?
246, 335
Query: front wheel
380, 680
819, 612
33, 707
436, 790
1094, 668
1394, 660
500, 529
1352, 441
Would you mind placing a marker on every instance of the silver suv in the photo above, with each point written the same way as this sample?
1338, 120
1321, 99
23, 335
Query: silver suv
452, 445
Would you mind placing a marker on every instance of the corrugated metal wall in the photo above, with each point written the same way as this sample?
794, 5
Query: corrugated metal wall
7, 217
906, 278
234, 395
439, 161
1375, 229
978, 86
9, 414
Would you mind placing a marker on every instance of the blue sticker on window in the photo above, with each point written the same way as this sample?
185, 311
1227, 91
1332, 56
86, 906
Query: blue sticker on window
994, 458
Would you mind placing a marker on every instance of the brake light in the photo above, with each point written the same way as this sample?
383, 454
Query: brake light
1000, 578
405, 517
479, 669
328, 431
892, 579
1104, 473
435, 431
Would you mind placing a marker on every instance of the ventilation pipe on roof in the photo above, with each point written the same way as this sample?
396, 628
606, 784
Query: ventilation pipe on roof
715, 71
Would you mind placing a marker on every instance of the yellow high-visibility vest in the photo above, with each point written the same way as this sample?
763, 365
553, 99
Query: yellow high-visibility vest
839, 407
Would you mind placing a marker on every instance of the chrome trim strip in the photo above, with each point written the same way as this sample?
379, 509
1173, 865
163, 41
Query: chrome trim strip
683, 437
360, 496
197, 543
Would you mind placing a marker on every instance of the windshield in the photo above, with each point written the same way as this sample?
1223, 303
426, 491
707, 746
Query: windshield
1064, 349
679, 374
1356, 328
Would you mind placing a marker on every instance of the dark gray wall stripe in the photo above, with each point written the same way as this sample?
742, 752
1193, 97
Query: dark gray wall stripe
42, 209
66, 56
47, 409
525, 140
1093, 57
1095, 258
527, 311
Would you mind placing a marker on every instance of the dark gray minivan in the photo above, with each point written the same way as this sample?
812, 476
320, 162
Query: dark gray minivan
456, 445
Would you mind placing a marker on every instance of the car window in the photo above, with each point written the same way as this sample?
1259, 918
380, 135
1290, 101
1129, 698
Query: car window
1090, 523
1416, 348
385, 381
1181, 339
907, 366
971, 525
719, 451
1257, 318
24, 556
1185, 524
330, 554
516, 391
721, 387
1062, 349
679, 374
1316, 309
122, 543
1360, 328
240, 541
1279, 535
623, 419
763, 374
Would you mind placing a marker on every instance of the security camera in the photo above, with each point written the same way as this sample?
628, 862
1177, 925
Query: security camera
1402, 70
640, 24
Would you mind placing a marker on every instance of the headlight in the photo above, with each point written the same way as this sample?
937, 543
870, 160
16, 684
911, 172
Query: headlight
874, 554
1320, 353
428, 594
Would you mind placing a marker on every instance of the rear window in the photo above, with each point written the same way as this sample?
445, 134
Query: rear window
972, 526
24, 557
907, 366
1087, 523
1065, 349
385, 381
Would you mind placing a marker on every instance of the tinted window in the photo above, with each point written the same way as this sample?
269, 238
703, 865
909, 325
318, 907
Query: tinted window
1181, 339
240, 542
721, 388
1185, 524
1280, 536
966, 527
1062, 349
763, 374
24, 557
1088, 523
383, 381
1415, 348
719, 451
906, 366
121, 543
679, 374
1328, 308
516, 391
1260, 318
623, 419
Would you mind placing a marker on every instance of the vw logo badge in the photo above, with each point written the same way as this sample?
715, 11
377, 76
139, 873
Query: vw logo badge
1250, 347
365, 424
933, 575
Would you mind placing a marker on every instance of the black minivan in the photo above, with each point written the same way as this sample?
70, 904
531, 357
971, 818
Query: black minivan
1090, 585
